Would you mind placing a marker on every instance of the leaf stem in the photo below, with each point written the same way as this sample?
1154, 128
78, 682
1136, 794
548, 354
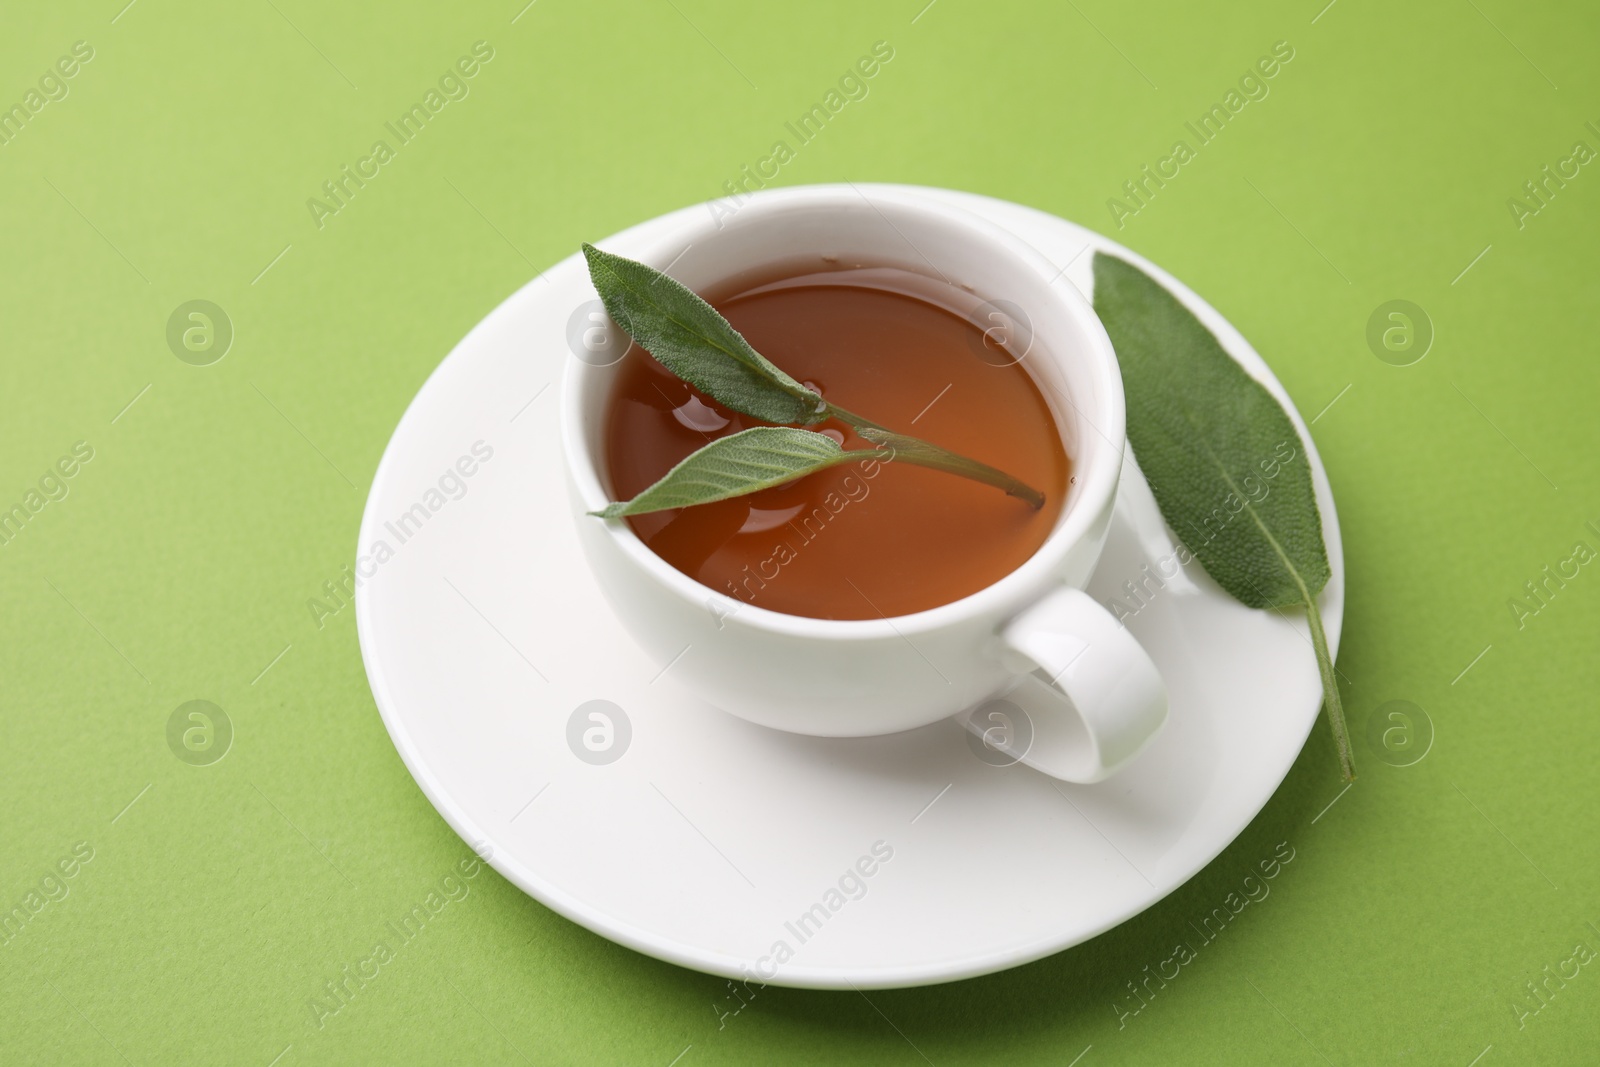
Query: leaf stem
920, 453
1330, 691
834, 411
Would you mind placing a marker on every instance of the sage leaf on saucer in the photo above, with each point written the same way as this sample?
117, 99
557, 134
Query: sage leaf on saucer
688, 337
745, 462
1226, 465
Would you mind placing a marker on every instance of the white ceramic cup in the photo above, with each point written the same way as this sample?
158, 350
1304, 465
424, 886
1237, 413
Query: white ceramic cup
1089, 695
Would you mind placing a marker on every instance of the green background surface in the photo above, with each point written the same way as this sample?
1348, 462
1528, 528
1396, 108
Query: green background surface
220, 498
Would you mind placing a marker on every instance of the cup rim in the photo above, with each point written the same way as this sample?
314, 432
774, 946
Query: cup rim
1099, 477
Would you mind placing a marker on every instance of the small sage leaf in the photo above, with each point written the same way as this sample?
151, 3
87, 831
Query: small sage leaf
687, 336
745, 462
1225, 463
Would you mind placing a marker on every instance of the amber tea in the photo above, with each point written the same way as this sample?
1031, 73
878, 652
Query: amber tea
867, 539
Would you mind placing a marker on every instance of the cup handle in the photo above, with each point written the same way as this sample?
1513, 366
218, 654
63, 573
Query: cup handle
1092, 696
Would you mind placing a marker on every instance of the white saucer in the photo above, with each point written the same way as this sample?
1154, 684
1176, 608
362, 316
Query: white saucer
708, 838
